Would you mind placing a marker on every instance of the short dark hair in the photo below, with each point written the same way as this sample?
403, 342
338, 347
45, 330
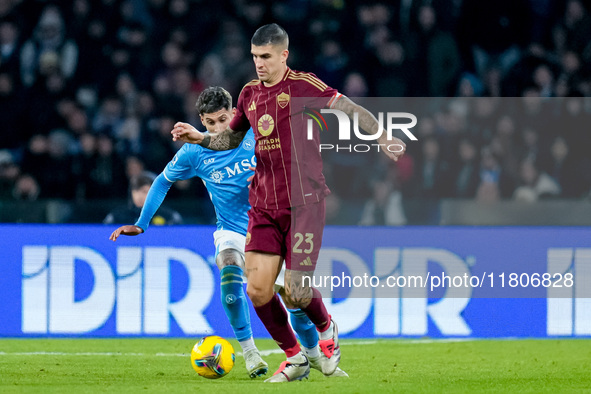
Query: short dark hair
213, 99
142, 179
272, 34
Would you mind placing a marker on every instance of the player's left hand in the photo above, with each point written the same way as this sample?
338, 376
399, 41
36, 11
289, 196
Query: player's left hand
125, 230
393, 148
186, 133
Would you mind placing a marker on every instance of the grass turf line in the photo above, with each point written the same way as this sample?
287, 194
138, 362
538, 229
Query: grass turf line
388, 365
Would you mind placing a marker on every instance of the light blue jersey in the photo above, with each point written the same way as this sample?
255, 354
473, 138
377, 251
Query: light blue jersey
224, 174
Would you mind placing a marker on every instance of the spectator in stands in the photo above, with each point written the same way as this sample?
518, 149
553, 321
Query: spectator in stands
106, 176
9, 172
493, 33
494, 182
9, 47
434, 57
139, 186
49, 39
26, 188
431, 173
569, 172
535, 184
385, 208
12, 102
465, 175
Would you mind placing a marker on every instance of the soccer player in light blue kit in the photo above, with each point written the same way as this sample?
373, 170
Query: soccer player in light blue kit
226, 177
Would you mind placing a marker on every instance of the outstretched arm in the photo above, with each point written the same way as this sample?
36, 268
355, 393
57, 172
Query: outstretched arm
225, 140
154, 199
370, 124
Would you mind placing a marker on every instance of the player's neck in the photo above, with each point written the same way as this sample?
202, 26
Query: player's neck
276, 79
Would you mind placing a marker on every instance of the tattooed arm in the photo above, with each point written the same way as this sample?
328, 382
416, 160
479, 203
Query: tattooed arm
225, 140
393, 148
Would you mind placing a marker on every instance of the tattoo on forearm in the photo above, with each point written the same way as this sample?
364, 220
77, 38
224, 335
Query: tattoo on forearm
206, 141
225, 140
367, 121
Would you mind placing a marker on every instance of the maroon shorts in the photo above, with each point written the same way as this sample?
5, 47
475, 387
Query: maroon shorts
292, 233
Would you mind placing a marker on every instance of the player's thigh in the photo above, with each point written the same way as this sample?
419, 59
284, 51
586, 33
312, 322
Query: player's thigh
266, 230
305, 237
262, 270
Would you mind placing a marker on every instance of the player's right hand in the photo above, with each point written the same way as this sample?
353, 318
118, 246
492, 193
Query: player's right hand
250, 178
186, 133
125, 230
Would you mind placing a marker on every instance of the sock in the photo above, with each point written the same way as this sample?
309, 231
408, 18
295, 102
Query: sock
313, 352
274, 317
247, 345
326, 334
305, 329
317, 313
234, 301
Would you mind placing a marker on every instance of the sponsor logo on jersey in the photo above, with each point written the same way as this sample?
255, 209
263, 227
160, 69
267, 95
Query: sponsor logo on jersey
266, 124
216, 176
248, 237
269, 144
307, 261
283, 100
252, 106
208, 161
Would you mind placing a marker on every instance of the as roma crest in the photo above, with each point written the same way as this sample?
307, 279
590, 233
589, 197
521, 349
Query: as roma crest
283, 100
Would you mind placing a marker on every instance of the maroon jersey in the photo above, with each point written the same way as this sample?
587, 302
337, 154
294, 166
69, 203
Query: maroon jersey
289, 166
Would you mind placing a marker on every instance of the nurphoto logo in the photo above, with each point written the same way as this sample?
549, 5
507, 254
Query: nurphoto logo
388, 122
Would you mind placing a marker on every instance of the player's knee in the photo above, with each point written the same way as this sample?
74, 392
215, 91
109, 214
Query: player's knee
229, 257
258, 295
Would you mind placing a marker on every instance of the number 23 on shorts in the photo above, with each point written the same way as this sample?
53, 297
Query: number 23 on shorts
308, 241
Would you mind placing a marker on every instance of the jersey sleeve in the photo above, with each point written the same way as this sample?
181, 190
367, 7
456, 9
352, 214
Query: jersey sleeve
333, 99
240, 121
158, 191
181, 166
313, 87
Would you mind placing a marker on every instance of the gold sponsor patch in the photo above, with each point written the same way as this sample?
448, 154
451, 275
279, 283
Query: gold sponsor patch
266, 124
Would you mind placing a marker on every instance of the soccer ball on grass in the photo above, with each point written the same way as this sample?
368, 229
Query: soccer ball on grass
212, 357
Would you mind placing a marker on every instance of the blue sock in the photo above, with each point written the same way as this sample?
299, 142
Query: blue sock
305, 329
234, 301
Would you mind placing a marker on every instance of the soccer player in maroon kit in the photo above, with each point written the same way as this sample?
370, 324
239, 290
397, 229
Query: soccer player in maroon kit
287, 193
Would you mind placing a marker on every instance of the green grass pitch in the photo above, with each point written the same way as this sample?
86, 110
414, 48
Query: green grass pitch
374, 366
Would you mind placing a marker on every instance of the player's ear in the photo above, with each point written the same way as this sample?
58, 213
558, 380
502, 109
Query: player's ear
234, 111
285, 55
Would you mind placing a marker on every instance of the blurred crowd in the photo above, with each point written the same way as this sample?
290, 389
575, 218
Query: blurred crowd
90, 89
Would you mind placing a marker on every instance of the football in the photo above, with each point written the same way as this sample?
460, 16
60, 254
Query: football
213, 357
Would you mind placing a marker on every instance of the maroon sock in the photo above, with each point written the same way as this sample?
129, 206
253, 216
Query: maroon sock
316, 311
274, 317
